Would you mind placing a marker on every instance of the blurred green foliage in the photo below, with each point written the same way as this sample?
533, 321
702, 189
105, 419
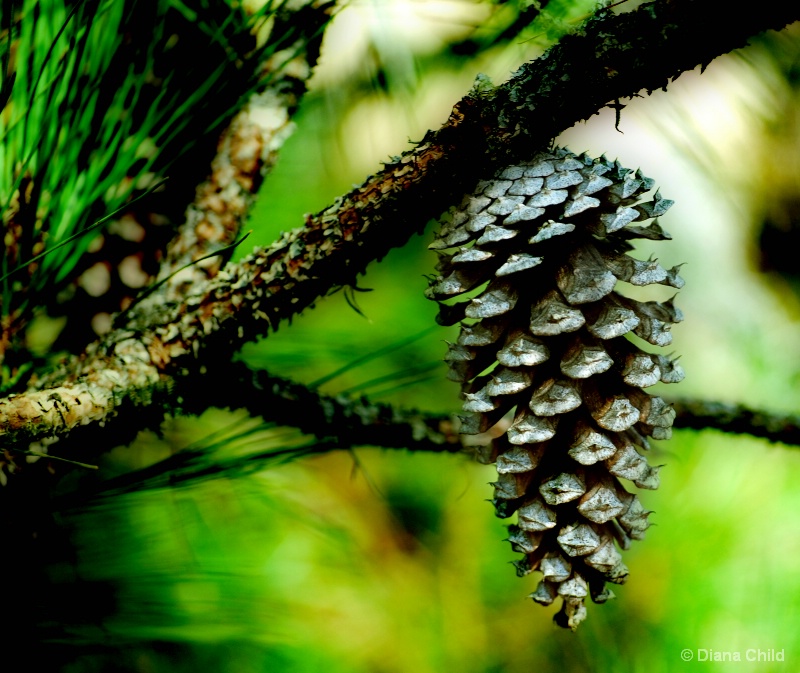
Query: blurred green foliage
101, 100
384, 562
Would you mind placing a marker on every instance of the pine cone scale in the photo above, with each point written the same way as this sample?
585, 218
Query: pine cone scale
546, 244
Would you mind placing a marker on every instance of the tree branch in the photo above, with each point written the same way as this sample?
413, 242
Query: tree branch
247, 151
737, 419
341, 423
611, 58
344, 420
337, 422
359, 422
110, 376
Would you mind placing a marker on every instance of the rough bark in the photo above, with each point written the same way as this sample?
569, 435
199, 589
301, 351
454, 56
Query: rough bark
339, 422
610, 58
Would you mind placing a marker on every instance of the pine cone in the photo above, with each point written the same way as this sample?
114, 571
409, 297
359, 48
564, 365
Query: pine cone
544, 334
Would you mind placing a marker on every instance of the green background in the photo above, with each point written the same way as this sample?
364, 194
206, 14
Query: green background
386, 562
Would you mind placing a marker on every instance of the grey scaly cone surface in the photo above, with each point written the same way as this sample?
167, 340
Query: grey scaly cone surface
547, 367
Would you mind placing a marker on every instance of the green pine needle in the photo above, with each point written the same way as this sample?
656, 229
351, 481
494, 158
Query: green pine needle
101, 100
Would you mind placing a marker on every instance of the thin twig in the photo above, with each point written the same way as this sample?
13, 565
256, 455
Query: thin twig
737, 419
356, 421
346, 421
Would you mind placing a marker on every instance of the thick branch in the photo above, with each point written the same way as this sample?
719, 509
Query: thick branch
616, 56
613, 57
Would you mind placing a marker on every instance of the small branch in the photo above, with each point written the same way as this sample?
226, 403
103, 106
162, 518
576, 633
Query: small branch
337, 422
737, 419
247, 151
340, 422
345, 421
359, 422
